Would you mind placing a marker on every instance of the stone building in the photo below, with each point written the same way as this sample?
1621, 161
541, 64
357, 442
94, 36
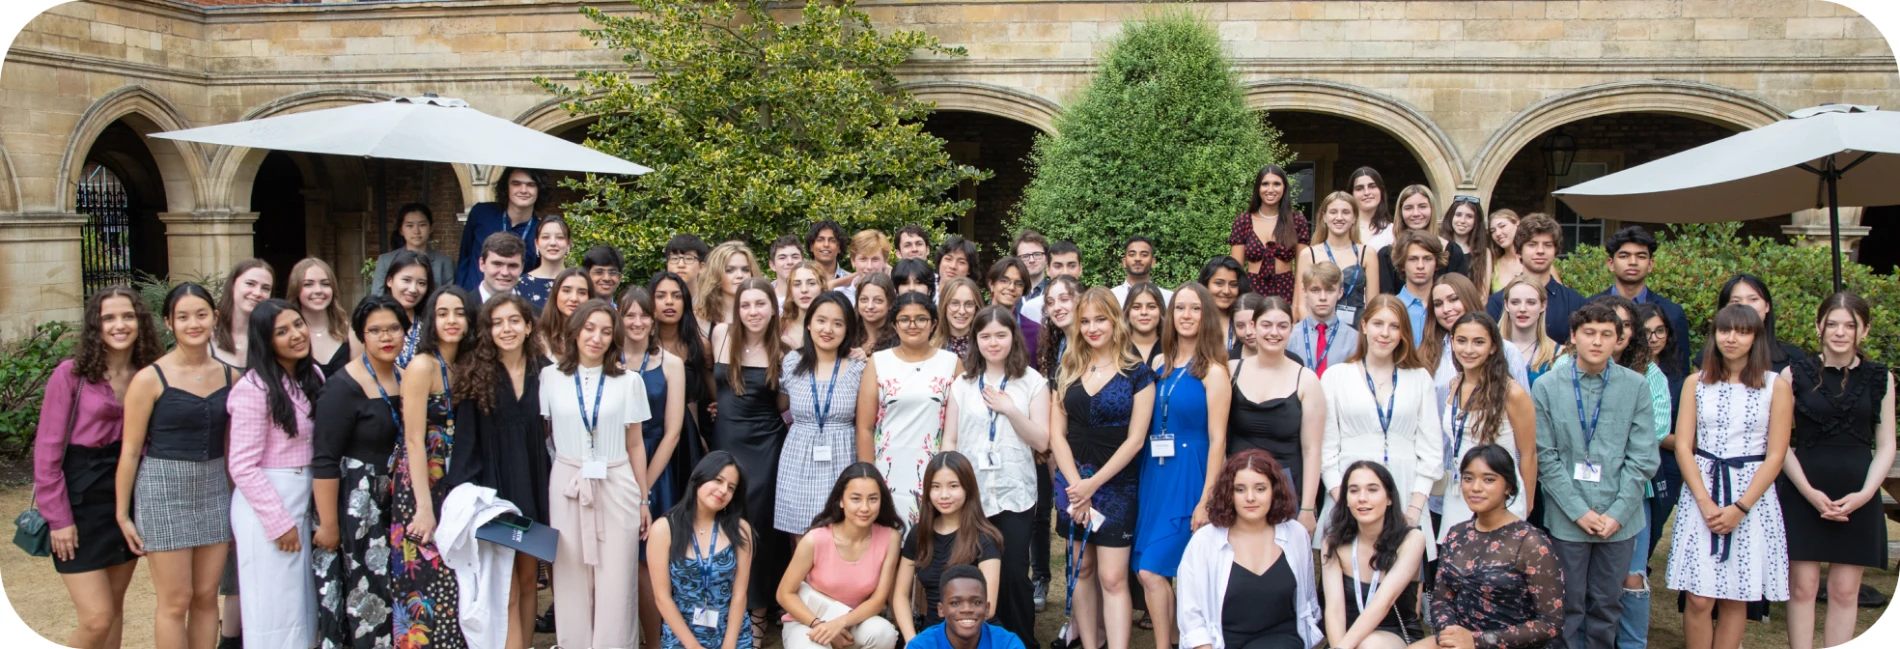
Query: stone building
1464, 96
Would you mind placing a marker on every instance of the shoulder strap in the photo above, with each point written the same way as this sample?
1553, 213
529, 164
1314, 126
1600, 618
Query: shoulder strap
161, 375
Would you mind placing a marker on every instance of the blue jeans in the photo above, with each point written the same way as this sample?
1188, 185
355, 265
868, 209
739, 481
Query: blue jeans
1632, 629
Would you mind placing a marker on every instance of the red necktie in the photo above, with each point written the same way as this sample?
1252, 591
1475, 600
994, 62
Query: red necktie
1321, 346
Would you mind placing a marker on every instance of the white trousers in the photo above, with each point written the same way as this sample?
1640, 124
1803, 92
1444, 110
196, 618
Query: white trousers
874, 633
280, 592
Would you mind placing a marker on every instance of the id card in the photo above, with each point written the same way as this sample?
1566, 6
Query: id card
705, 618
1096, 520
821, 453
1161, 446
989, 461
594, 470
1588, 472
1347, 313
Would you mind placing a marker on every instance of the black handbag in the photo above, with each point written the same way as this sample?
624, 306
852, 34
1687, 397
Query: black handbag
30, 531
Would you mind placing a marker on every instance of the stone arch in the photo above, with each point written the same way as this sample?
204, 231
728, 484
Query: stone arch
9, 183
989, 99
1701, 101
181, 164
551, 117
1418, 133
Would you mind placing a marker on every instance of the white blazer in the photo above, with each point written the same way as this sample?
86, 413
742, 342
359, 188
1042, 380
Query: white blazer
1201, 584
483, 571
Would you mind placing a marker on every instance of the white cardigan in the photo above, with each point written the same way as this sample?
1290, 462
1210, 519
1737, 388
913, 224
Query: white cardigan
1201, 584
1414, 451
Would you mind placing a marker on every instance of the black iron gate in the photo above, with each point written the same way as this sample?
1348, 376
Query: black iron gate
106, 241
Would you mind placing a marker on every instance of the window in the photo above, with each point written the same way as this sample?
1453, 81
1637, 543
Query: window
1578, 230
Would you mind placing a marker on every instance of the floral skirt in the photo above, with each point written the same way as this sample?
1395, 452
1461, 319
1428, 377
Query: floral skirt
421, 586
353, 580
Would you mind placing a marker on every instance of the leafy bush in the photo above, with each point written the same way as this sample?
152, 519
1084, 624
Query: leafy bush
1695, 260
754, 126
1160, 144
25, 365
153, 289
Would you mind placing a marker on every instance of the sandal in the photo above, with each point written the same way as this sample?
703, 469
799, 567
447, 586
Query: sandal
1147, 621
758, 621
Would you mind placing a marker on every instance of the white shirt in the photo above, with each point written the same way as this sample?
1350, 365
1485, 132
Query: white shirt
1200, 587
623, 404
1121, 294
1011, 487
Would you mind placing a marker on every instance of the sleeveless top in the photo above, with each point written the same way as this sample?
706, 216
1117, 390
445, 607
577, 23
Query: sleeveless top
187, 427
1835, 406
1272, 425
849, 582
654, 428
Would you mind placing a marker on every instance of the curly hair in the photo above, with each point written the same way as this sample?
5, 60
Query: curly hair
1221, 511
475, 379
89, 357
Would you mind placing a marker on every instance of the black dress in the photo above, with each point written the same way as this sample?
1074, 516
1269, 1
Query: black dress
355, 435
1098, 425
506, 448
1273, 426
1401, 620
1260, 611
750, 428
337, 361
931, 576
1836, 411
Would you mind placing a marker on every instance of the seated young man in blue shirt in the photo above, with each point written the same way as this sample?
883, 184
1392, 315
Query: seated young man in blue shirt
964, 604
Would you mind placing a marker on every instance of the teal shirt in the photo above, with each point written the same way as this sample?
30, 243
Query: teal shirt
1624, 447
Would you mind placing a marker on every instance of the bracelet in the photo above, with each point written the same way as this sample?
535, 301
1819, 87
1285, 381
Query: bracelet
1738, 505
1411, 507
1309, 509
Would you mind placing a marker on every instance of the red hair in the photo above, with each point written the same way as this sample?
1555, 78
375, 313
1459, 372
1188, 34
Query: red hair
1221, 511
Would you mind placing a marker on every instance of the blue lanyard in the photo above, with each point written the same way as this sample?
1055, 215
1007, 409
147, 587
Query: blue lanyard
580, 401
393, 412
1589, 429
1169, 381
824, 412
1329, 257
1312, 332
705, 561
1385, 414
1457, 427
448, 400
999, 388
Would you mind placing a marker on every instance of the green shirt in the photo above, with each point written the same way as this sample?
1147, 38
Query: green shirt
1624, 448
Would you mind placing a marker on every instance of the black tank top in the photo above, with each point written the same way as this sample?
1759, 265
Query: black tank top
187, 427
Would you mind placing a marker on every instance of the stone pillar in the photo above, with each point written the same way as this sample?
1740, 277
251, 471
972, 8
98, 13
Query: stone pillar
1810, 228
352, 284
205, 244
42, 275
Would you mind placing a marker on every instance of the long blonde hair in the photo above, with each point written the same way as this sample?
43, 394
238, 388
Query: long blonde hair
1075, 362
1320, 232
335, 317
940, 337
709, 295
1431, 207
1546, 348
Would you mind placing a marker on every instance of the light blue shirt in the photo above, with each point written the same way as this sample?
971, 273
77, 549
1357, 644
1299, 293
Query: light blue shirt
1417, 309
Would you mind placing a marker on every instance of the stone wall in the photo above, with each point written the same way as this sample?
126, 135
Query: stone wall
1462, 85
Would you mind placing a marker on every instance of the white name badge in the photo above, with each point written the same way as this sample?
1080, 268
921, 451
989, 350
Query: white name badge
705, 618
594, 470
1346, 313
1096, 520
821, 454
1588, 472
990, 461
1161, 446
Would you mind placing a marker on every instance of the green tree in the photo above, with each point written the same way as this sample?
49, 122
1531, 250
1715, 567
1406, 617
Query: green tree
1695, 260
1160, 144
755, 125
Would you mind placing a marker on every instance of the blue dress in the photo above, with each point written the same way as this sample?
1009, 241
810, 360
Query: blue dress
1171, 487
666, 489
535, 290
694, 588
1098, 425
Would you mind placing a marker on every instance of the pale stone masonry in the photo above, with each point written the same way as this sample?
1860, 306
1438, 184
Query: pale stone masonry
1464, 85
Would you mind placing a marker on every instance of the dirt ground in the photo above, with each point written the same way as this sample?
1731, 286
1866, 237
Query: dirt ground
37, 594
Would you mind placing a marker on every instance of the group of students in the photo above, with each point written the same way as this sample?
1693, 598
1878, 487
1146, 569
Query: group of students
894, 440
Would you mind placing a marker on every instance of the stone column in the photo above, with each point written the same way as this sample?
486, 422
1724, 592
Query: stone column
206, 243
352, 284
1810, 228
41, 277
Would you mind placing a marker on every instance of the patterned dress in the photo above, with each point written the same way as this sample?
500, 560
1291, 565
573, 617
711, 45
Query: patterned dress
805, 478
1264, 281
909, 423
353, 581
422, 588
1098, 425
1731, 438
1505, 585
705, 585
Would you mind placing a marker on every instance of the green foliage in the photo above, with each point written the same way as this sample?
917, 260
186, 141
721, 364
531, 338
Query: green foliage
1695, 260
754, 126
25, 365
153, 289
1160, 144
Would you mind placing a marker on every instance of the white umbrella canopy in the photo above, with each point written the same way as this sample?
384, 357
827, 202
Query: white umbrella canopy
428, 129
1826, 156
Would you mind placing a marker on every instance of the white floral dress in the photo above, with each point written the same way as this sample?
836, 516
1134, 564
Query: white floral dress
909, 430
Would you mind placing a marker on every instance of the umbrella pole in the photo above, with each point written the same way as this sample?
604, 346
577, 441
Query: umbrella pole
382, 203
1832, 177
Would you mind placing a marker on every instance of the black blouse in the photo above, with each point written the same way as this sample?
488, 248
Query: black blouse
353, 425
1836, 406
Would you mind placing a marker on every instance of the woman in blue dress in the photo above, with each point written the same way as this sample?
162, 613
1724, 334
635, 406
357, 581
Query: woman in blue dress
704, 547
1191, 397
1096, 433
665, 378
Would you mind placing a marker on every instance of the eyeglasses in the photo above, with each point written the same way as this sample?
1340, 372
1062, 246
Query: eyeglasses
914, 322
380, 332
1658, 334
1032, 256
1010, 282
682, 259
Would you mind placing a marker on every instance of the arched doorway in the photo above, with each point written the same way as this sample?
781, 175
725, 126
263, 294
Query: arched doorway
1605, 144
121, 193
1327, 148
992, 143
277, 196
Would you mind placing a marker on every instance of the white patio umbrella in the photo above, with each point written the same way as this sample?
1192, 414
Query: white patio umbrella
427, 128
1799, 163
